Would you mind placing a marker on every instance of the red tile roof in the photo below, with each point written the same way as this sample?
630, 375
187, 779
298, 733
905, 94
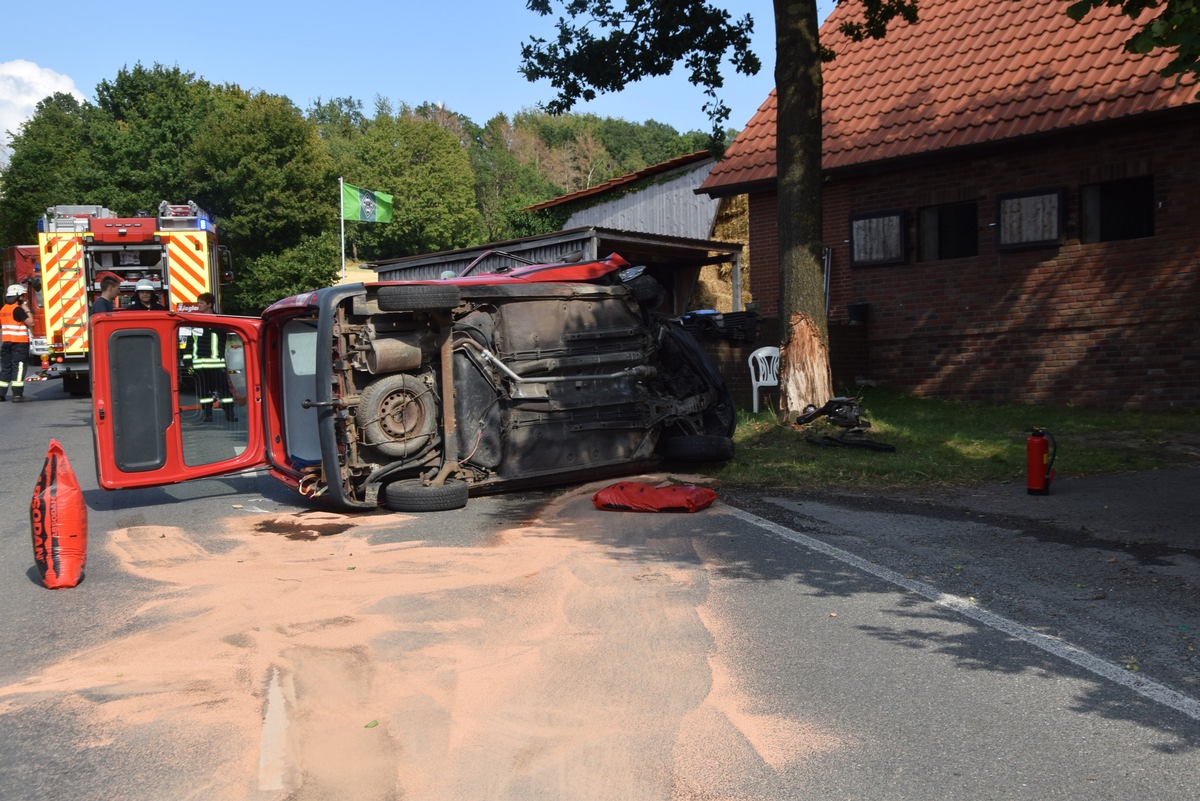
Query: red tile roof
969, 72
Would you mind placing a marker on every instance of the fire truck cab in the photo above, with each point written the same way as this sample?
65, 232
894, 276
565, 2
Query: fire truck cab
177, 251
20, 264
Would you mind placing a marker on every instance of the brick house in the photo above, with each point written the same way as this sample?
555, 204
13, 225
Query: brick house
1011, 209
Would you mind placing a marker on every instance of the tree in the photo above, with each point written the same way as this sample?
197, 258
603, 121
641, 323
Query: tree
805, 376
428, 173
341, 117
1176, 29
261, 168
634, 146
338, 122
313, 263
44, 167
138, 135
647, 38
504, 185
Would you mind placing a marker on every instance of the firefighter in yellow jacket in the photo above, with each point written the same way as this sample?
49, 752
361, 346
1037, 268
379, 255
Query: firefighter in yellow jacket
203, 355
15, 322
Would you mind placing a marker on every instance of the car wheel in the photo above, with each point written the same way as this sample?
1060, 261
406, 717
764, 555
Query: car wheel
398, 415
721, 418
698, 448
416, 297
646, 291
414, 496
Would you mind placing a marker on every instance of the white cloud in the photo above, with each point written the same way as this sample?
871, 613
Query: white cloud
23, 85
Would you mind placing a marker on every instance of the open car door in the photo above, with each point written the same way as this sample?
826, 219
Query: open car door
161, 416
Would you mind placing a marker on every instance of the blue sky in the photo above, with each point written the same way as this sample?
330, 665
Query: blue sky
463, 54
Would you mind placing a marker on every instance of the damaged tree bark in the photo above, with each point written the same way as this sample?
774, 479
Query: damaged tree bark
804, 376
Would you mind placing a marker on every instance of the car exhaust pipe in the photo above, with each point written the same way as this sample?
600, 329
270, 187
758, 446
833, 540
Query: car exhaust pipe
392, 356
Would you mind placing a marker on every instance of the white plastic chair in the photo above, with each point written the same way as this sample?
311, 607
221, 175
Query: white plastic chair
764, 370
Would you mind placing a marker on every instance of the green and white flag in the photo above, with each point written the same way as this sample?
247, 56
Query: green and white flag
364, 205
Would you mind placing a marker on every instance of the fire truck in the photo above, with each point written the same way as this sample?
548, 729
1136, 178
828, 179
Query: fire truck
20, 266
177, 252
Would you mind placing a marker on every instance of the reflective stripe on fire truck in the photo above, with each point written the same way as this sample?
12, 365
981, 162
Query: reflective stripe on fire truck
64, 292
187, 255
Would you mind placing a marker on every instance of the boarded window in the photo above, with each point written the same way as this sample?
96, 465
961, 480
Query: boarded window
1030, 219
1117, 210
877, 238
949, 231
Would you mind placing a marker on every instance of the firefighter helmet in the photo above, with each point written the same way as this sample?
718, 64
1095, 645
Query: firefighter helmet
15, 290
143, 286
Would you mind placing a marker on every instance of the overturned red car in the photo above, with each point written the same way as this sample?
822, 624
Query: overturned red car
416, 394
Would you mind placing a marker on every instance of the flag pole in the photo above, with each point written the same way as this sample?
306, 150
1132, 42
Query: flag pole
342, 217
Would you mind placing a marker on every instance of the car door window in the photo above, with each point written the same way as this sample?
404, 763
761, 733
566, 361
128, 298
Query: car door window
212, 395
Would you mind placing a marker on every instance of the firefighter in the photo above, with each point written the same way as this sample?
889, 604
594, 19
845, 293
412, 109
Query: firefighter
15, 322
145, 298
110, 287
204, 357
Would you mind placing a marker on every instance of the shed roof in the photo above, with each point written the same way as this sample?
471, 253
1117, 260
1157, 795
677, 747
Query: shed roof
592, 241
655, 169
969, 72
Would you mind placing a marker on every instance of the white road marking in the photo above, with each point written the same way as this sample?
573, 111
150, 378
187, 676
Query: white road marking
1144, 687
272, 758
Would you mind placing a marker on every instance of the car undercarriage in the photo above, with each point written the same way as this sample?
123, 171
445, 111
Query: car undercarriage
486, 386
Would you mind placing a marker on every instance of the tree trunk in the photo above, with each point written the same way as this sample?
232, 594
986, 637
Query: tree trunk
804, 366
798, 196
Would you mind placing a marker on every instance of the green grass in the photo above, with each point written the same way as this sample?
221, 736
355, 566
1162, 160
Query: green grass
947, 443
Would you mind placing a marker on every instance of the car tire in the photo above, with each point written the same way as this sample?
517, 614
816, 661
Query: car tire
415, 496
721, 418
417, 297
698, 448
398, 415
646, 291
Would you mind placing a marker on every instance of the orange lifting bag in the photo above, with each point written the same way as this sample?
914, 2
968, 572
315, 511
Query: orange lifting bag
58, 519
631, 496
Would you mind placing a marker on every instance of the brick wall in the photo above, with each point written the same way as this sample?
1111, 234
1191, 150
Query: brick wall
764, 254
1113, 324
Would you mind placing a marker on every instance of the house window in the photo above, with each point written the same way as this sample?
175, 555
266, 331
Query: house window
950, 231
1117, 210
877, 238
1030, 219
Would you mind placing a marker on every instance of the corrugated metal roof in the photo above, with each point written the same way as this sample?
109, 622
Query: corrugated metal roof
969, 72
594, 242
654, 169
666, 205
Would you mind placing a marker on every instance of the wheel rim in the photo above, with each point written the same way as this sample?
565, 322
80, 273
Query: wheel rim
399, 416
402, 418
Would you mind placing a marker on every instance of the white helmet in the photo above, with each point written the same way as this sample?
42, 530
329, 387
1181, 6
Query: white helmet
15, 290
144, 286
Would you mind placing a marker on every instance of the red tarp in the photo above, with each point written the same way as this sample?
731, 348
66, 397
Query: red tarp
631, 496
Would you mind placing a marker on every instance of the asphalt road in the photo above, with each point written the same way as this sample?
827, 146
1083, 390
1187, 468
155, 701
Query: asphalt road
773, 647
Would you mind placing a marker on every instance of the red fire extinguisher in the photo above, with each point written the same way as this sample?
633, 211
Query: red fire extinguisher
1040, 450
